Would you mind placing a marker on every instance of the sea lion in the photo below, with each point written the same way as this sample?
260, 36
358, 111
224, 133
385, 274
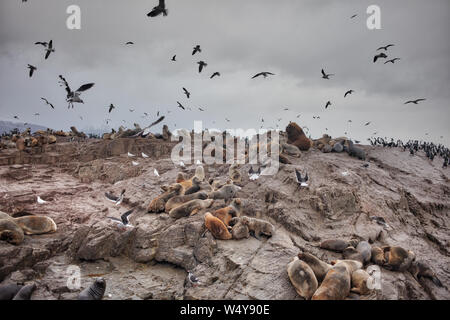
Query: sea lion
420, 269
327, 148
356, 152
226, 193
302, 278
359, 282
377, 256
239, 230
338, 146
297, 137
158, 204
95, 291
36, 224
258, 226
4, 215
180, 177
190, 208
11, 231
350, 253
217, 227
229, 212
25, 292
397, 258
365, 250
235, 174
319, 267
20, 144
334, 245
290, 150
325, 140
8, 291
179, 200
200, 173
195, 186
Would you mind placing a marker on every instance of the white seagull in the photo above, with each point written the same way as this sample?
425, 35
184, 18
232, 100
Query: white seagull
156, 172
131, 155
40, 201
144, 155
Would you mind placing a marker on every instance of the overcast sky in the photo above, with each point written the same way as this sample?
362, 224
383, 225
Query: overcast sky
293, 39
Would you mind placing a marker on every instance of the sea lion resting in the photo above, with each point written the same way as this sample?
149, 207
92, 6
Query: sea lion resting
297, 137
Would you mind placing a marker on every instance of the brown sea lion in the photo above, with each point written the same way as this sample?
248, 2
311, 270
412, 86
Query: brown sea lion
217, 227
258, 226
319, 267
11, 231
229, 212
359, 282
239, 230
377, 256
179, 200
158, 204
420, 269
397, 258
334, 245
302, 278
297, 137
190, 208
36, 224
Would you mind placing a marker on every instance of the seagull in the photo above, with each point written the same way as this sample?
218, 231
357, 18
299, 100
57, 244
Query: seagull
228, 120
201, 64
298, 116
415, 101
134, 163
252, 175
368, 123
46, 101
192, 278
113, 198
131, 110
328, 104
156, 172
187, 93
264, 74
144, 155
32, 69
40, 201
386, 47
16, 117
380, 55
392, 60
37, 114
146, 130
326, 75
129, 42
301, 181
379, 220
182, 164
200, 109
353, 16
49, 49
344, 173
124, 221
45, 44
196, 49
348, 92
111, 107
215, 74
160, 8
180, 106
174, 58
74, 96
130, 154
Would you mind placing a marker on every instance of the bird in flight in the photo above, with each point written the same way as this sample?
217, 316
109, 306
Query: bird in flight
326, 75
264, 74
146, 130
116, 199
74, 96
228, 120
32, 69
215, 74
37, 114
111, 107
392, 60
160, 8
129, 42
45, 44
46, 101
367, 123
196, 49
415, 101
124, 218
174, 58
131, 110
385, 48
201, 64
353, 16
380, 55
328, 104
200, 109
348, 92
180, 106
49, 49
187, 93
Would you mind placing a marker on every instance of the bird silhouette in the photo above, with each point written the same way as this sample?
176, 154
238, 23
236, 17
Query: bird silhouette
385, 48
328, 104
46, 101
265, 74
180, 106
32, 69
378, 56
174, 58
201, 65
196, 49
111, 107
215, 74
160, 8
49, 49
392, 60
326, 75
74, 96
187, 93
348, 92
414, 101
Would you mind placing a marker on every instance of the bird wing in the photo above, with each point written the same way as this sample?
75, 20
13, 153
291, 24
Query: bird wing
257, 75
111, 196
85, 87
50, 44
126, 214
65, 84
298, 176
323, 73
420, 100
47, 54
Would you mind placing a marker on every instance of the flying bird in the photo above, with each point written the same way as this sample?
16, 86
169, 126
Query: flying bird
264, 74
415, 101
386, 47
129, 42
368, 123
200, 109
196, 49
37, 114
378, 56
160, 8
174, 58
32, 69
180, 106
46, 101
392, 60
201, 65
146, 130
353, 16
115, 199
348, 92
187, 93
124, 218
45, 44
74, 96
326, 75
131, 110
215, 74
111, 107
328, 104
49, 49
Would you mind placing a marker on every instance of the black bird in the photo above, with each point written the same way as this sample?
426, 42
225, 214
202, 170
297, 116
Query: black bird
414, 101
264, 74
146, 130
115, 199
367, 123
74, 96
180, 106
215, 74
301, 181
348, 92
353, 16
201, 64
187, 93
392, 60
380, 55
123, 218
386, 47
49, 49
200, 109
46, 101
228, 120
174, 58
326, 75
160, 8
196, 49
111, 107
328, 104
129, 42
45, 44
16, 117
32, 69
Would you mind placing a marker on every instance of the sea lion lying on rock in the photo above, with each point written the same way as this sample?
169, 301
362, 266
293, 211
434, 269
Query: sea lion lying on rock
356, 152
158, 204
302, 278
239, 230
258, 226
319, 267
179, 200
420, 269
226, 193
190, 208
229, 212
297, 137
397, 258
36, 224
218, 229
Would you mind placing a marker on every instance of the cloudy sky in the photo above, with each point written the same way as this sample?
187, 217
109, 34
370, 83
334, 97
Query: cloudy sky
293, 39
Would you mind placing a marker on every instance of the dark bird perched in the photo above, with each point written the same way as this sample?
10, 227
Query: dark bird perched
123, 218
129, 42
252, 175
301, 181
160, 8
392, 60
32, 69
326, 75
328, 104
415, 101
385, 48
111, 107
115, 199
174, 58
348, 92
379, 220
180, 106
201, 65
264, 74
378, 56
215, 74
74, 96
187, 93
49, 49
196, 49
46, 101
146, 130
192, 278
